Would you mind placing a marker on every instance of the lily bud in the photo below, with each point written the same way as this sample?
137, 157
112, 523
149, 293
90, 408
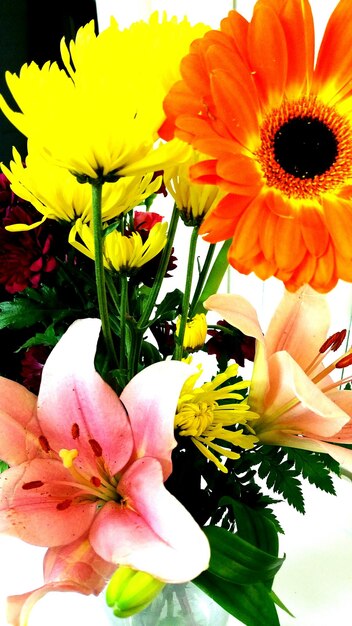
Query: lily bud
130, 591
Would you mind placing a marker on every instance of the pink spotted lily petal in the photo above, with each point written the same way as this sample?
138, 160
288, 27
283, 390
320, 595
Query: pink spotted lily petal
150, 401
76, 408
18, 423
30, 496
153, 532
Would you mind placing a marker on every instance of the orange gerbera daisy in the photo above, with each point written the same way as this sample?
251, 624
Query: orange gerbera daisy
278, 130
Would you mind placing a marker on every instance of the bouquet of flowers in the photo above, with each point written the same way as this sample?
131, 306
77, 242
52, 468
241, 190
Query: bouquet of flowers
134, 445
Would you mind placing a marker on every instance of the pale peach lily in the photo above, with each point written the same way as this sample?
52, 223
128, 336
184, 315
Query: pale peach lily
87, 470
298, 402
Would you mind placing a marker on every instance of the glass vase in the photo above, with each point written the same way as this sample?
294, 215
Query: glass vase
180, 605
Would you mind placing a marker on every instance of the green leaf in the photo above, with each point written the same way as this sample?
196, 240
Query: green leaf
167, 309
251, 604
254, 525
281, 475
48, 338
30, 307
313, 467
234, 559
3, 466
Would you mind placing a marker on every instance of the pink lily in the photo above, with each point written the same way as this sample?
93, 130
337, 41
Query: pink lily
75, 567
299, 404
88, 466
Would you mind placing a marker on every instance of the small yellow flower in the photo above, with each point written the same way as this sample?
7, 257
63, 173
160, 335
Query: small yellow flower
57, 195
122, 253
99, 117
195, 332
208, 414
193, 200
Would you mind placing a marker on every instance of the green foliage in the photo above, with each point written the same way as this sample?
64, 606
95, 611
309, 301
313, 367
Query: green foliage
32, 306
239, 578
285, 468
3, 466
281, 475
313, 466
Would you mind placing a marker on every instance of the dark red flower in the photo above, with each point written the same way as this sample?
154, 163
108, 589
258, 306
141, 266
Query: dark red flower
26, 255
230, 345
32, 365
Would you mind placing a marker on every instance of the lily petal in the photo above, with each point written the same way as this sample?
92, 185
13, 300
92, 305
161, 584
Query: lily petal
30, 493
315, 412
75, 567
18, 423
76, 407
152, 531
151, 399
299, 325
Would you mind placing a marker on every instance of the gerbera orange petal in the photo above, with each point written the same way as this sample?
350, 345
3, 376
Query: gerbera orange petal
239, 109
335, 54
289, 249
303, 274
325, 276
297, 21
204, 172
236, 27
268, 54
338, 216
223, 218
314, 231
241, 171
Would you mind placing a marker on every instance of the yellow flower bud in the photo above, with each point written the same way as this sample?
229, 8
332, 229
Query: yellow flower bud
130, 591
195, 332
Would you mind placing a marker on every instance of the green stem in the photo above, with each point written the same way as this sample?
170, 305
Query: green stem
215, 277
99, 268
165, 257
202, 278
123, 313
187, 293
112, 291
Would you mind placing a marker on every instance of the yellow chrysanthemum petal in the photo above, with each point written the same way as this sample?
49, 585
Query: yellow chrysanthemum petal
100, 117
210, 424
56, 194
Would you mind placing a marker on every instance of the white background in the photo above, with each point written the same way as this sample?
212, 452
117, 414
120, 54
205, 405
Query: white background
316, 579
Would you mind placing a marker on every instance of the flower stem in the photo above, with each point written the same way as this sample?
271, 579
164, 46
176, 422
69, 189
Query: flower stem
202, 278
99, 268
123, 313
215, 277
165, 257
187, 293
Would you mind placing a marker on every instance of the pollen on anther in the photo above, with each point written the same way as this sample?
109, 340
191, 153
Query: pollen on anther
96, 447
344, 362
33, 484
75, 431
44, 444
333, 342
95, 481
63, 505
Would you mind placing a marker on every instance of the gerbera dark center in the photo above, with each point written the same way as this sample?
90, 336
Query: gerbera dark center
305, 147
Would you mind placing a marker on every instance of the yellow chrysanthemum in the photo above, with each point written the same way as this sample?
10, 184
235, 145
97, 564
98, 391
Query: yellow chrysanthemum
195, 332
208, 414
193, 200
122, 253
58, 195
100, 117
